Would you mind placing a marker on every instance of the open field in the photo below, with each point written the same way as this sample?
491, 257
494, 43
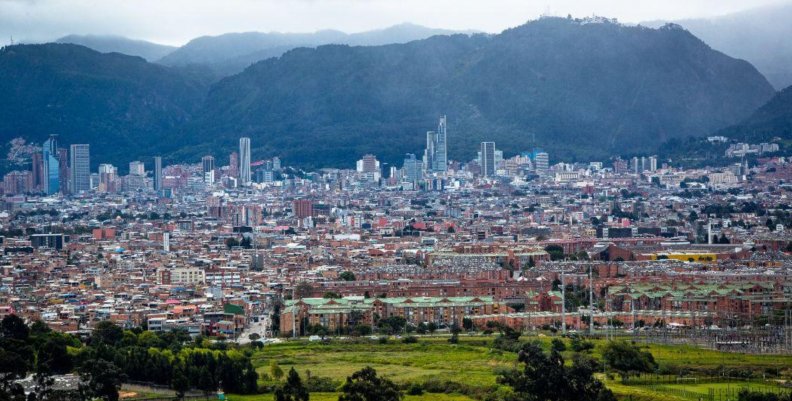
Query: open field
334, 397
473, 363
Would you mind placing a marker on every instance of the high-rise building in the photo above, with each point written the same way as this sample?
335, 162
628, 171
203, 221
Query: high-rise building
208, 165
157, 173
276, 163
137, 168
487, 159
37, 171
64, 176
412, 169
233, 165
368, 164
435, 157
80, 168
541, 161
107, 178
369, 167
244, 161
302, 208
18, 182
51, 165
652, 163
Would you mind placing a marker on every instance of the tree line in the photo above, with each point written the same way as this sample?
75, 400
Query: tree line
111, 356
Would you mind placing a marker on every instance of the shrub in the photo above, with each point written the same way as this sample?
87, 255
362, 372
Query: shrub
415, 389
321, 384
410, 340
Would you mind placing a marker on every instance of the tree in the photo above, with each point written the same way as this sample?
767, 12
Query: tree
231, 242
627, 359
723, 239
558, 345
347, 276
275, 370
103, 379
467, 324
53, 355
205, 381
364, 385
293, 389
13, 327
556, 252
545, 377
302, 290
180, 383
392, 325
108, 333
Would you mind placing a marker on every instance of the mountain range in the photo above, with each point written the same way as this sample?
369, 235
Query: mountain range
760, 36
121, 105
578, 88
581, 89
771, 121
230, 53
119, 44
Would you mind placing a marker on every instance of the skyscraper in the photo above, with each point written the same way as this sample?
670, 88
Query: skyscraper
64, 176
435, 157
80, 168
244, 161
488, 159
51, 165
157, 173
441, 151
412, 169
208, 166
38, 171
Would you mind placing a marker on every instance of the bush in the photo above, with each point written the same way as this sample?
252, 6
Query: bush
382, 340
321, 385
415, 389
410, 340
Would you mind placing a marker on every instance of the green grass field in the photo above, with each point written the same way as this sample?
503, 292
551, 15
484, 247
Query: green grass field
334, 397
474, 363
471, 362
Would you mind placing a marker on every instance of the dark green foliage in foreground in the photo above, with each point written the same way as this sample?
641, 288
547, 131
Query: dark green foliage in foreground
627, 359
544, 377
293, 389
364, 385
113, 355
746, 395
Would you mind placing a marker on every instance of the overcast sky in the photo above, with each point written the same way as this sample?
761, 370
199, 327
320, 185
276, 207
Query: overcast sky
177, 21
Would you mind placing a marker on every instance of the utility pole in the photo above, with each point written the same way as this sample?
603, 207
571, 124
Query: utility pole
591, 302
563, 304
294, 315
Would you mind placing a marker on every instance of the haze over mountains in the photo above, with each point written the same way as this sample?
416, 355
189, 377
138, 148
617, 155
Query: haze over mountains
761, 36
773, 120
577, 89
581, 89
231, 53
119, 44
